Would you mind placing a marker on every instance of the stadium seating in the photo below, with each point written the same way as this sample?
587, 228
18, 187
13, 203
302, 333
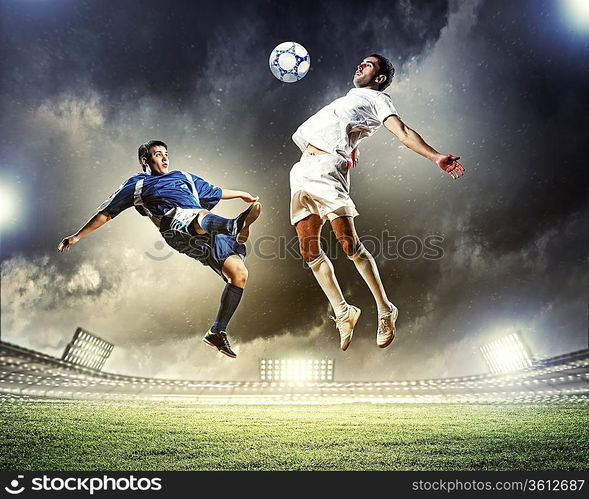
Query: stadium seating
26, 374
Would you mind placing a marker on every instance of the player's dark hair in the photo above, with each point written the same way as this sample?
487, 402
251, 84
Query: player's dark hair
143, 151
385, 67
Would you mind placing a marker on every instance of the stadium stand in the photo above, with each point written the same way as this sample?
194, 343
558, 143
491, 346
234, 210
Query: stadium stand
26, 374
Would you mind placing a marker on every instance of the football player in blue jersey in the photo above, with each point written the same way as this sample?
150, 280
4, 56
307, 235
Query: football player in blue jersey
179, 204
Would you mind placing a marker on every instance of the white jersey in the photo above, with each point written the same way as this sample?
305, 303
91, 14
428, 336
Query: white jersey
341, 125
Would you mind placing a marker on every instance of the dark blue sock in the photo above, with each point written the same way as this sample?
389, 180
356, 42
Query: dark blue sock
230, 298
214, 224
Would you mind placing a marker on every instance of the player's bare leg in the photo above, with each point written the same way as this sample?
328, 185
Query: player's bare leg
346, 316
345, 232
309, 232
236, 273
195, 223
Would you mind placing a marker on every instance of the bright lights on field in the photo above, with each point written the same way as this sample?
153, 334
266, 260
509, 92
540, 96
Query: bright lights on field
506, 354
578, 12
7, 205
296, 370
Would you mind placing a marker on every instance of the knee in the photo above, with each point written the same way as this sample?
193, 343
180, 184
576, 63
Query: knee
239, 277
309, 248
309, 254
349, 244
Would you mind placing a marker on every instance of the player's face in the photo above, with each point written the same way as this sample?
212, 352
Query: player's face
157, 160
366, 72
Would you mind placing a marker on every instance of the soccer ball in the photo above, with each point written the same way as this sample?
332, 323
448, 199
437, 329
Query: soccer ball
289, 62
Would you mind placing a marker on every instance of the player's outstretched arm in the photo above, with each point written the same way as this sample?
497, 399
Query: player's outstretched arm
411, 139
91, 225
230, 194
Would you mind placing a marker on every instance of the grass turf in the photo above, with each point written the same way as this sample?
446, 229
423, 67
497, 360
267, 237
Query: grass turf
174, 436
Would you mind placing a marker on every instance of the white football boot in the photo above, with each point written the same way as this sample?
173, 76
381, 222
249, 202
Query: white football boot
345, 326
386, 327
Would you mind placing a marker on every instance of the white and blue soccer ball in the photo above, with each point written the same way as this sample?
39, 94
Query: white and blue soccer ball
289, 62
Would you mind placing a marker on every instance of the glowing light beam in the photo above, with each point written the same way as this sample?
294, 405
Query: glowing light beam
577, 12
7, 205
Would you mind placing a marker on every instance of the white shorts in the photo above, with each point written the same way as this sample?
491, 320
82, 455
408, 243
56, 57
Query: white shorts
320, 185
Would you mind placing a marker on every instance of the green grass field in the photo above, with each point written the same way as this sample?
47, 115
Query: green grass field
174, 436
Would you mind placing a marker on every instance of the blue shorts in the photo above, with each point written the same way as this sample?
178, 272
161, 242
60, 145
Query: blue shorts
210, 250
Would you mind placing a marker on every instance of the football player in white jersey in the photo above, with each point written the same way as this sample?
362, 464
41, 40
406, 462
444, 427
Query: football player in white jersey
320, 187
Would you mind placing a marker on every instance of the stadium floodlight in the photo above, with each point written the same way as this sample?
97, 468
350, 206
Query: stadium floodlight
506, 354
296, 369
578, 13
87, 350
8, 205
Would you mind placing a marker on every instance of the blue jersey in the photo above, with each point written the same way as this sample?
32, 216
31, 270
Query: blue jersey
155, 195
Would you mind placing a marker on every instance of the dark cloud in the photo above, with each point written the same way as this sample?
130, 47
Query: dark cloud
500, 83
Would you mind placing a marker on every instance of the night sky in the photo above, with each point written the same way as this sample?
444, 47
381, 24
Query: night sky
502, 84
